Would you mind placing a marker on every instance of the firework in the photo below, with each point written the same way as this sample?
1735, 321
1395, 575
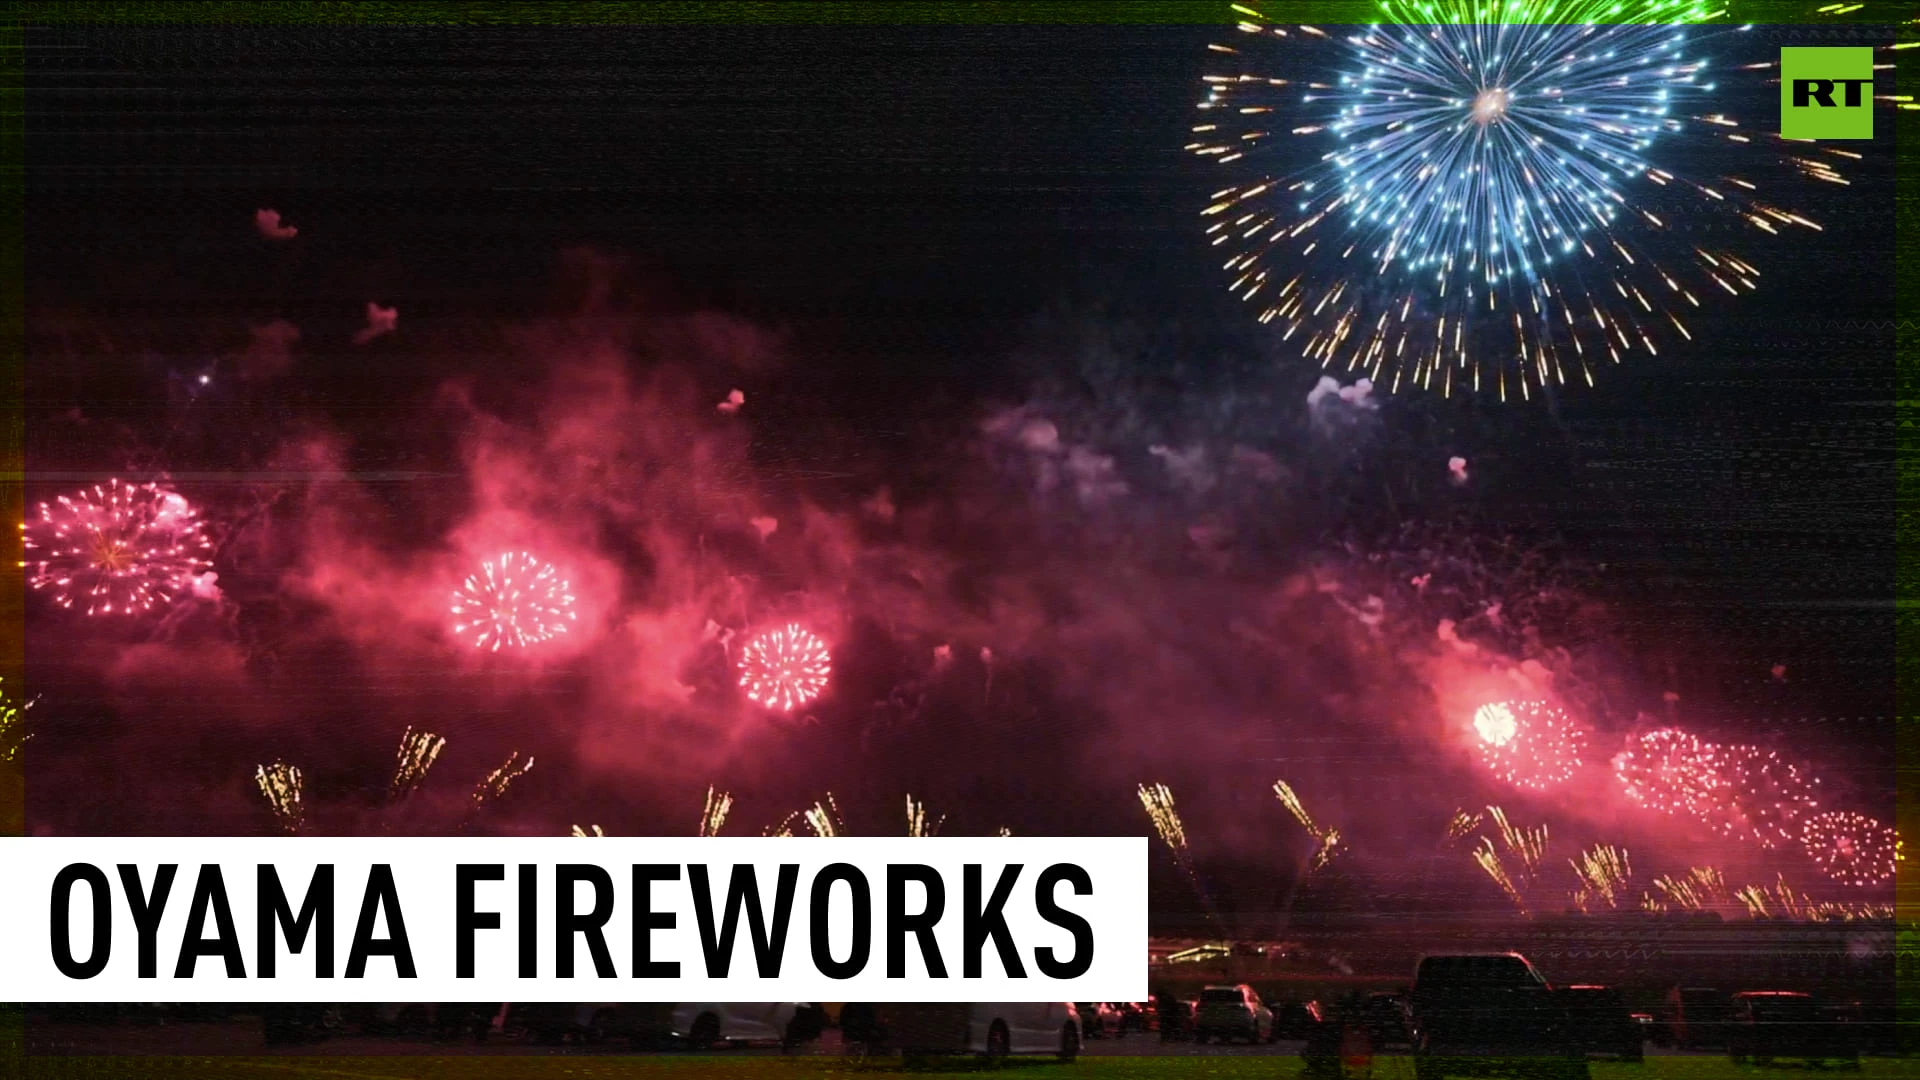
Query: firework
784, 669
1527, 845
1743, 792
13, 727
1327, 842
497, 781
1462, 825
115, 548
512, 602
280, 785
1604, 873
1850, 848
580, 832
1158, 803
1529, 744
1455, 197
917, 824
1703, 888
823, 818
416, 755
714, 815
1488, 860
1004, 831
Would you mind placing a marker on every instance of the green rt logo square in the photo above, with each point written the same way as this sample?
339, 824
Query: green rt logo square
1826, 93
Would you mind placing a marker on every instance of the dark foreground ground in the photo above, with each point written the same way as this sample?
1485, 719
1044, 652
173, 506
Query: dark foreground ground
234, 1050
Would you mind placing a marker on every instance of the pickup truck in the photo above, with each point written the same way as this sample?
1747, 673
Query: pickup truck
1490, 1013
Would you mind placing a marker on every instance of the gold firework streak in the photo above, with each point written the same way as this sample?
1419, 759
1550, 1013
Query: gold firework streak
1489, 861
497, 781
280, 785
416, 755
1604, 872
715, 814
578, 831
917, 819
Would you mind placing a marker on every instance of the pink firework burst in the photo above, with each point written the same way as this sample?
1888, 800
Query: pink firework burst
1671, 772
512, 602
1529, 744
1742, 792
1850, 848
115, 548
785, 668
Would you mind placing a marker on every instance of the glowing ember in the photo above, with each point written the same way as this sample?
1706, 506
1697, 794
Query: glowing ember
1850, 848
784, 669
514, 601
115, 549
1529, 744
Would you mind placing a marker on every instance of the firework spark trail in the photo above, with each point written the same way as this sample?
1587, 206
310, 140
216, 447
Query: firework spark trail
497, 781
578, 831
1004, 831
1462, 825
513, 601
1489, 860
1850, 848
1327, 841
786, 668
1529, 744
1158, 803
1527, 845
1285, 793
13, 727
1604, 872
1455, 194
1703, 888
823, 818
416, 755
280, 785
714, 814
115, 548
917, 824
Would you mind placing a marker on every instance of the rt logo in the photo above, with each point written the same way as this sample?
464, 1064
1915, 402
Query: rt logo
1826, 93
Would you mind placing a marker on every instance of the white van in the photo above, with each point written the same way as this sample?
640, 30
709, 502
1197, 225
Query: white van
995, 1030
705, 1025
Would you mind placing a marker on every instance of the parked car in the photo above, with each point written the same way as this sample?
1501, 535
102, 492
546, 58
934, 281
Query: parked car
1135, 1016
705, 1026
1769, 1024
992, 1030
1385, 1017
288, 1023
1294, 1019
1098, 1019
1697, 1017
1232, 1012
1489, 1012
1602, 1025
1173, 1016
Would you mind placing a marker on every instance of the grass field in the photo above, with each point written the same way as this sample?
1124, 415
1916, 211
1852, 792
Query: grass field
723, 1067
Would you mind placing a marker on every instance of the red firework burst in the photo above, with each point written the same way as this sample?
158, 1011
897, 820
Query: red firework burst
115, 549
786, 668
513, 601
1529, 744
1850, 848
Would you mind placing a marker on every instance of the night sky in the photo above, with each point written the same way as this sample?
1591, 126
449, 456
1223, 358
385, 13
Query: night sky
886, 237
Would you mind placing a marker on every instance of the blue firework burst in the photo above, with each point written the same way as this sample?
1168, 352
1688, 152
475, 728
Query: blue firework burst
1467, 195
